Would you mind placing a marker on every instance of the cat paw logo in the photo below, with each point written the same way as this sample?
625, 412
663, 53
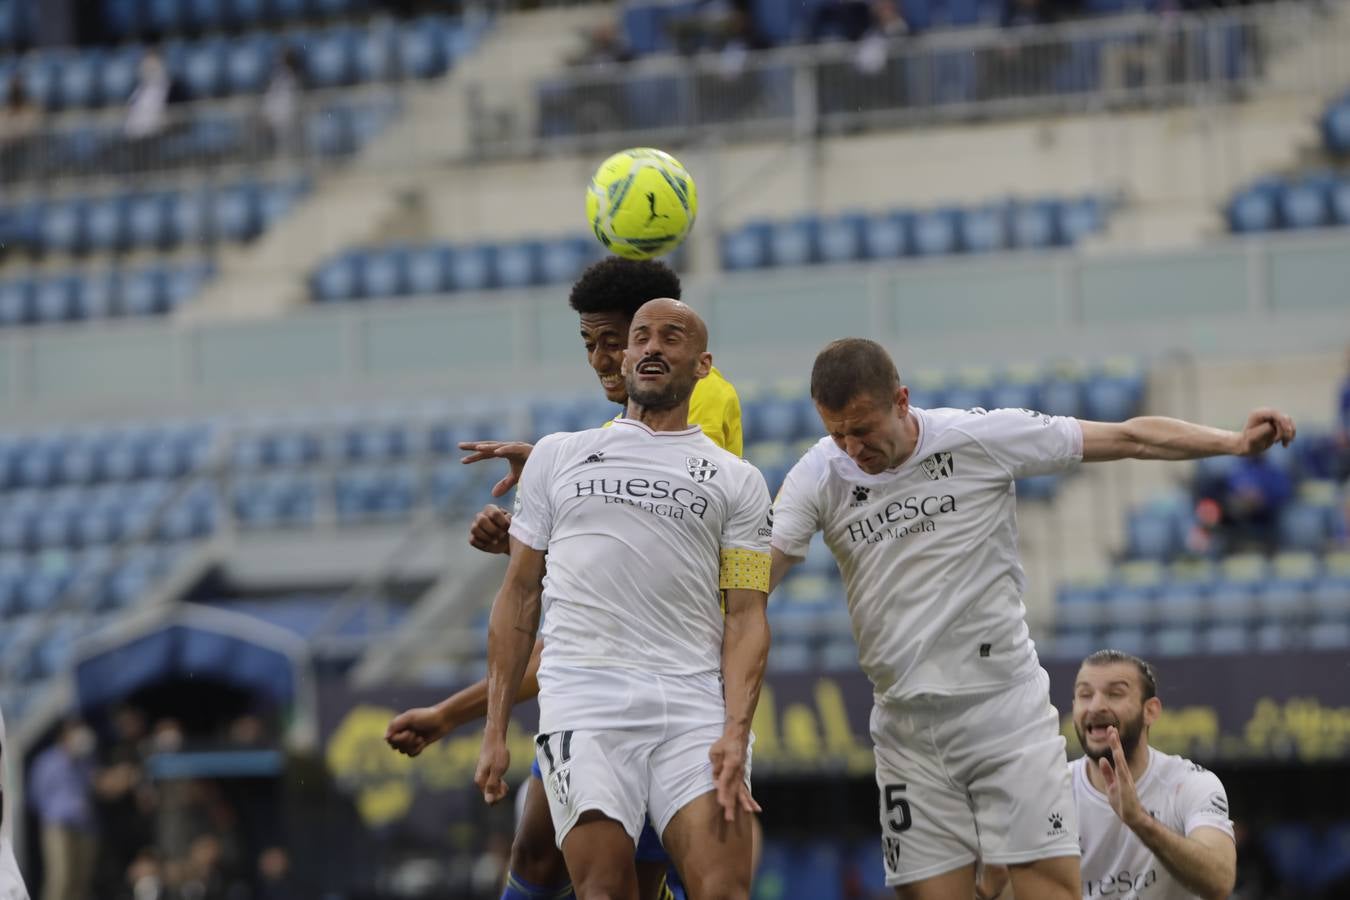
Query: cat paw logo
1056, 823
860, 494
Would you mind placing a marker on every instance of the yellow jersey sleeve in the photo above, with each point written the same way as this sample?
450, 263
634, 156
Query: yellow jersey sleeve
716, 409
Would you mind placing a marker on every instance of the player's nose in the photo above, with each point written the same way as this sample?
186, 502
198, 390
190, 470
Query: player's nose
853, 447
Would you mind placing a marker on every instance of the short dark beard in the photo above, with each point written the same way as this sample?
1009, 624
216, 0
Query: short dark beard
1130, 734
678, 390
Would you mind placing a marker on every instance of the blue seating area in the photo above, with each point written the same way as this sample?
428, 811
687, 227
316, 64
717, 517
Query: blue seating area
429, 269
306, 614
1041, 224
214, 67
1241, 604
100, 294
1335, 126
150, 18
148, 220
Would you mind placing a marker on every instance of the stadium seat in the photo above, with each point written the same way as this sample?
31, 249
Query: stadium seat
1303, 204
1130, 607
1225, 639
204, 69
384, 273
337, 279
473, 268
794, 242
1032, 225
428, 270
1253, 209
518, 264
747, 247
235, 213
983, 229
1305, 526
1180, 604
1081, 217
420, 50
376, 54
1339, 202
1072, 645
330, 58
1175, 641
935, 232
1275, 637
1154, 534
1128, 640
888, 235
1329, 635
841, 238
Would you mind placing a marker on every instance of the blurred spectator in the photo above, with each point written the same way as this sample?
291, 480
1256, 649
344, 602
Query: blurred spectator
1256, 875
1343, 426
125, 802
1019, 13
605, 46
716, 25
281, 103
61, 791
19, 124
147, 119
274, 875
145, 878
846, 19
1256, 493
206, 876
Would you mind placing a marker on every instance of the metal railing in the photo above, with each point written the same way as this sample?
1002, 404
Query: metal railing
1130, 61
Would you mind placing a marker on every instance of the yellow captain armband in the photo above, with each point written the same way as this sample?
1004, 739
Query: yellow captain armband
745, 570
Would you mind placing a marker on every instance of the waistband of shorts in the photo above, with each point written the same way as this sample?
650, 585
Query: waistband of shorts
930, 701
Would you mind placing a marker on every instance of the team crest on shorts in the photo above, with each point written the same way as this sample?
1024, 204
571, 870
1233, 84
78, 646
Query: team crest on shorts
891, 848
700, 470
562, 785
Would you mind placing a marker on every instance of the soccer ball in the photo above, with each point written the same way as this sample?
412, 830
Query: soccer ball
641, 203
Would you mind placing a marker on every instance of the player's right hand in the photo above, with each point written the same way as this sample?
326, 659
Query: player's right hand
412, 731
493, 761
728, 757
514, 452
491, 530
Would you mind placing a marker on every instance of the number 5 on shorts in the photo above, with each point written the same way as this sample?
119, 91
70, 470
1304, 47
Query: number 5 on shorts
897, 808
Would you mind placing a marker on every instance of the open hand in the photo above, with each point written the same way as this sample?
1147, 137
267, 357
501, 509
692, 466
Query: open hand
1120, 790
728, 761
514, 452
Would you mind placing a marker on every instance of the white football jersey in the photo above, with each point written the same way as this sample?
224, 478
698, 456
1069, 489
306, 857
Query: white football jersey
635, 523
928, 550
1178, 793
11, 882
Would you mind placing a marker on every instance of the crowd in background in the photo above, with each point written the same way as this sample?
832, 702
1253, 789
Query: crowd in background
110, 831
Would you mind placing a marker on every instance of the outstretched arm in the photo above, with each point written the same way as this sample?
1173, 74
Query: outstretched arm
1158, 437
511, 633
412, 731
745, 651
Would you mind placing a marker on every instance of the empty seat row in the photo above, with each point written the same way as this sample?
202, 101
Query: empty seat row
1335, 126
149, 220
94, 579
848, 237
219, 67
438, 268
95, 456
1219, 638
157, 18
1312, 200
85, 295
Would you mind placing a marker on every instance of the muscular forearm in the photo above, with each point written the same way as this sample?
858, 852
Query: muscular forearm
745, 650
511, 633
1201, 869
1158, 437
471, 703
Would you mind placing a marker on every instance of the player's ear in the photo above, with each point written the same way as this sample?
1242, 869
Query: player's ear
704, 364
1152, 709
902, 400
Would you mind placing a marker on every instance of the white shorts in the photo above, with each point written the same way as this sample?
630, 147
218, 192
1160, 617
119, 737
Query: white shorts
650, 770
11, 882
967, 778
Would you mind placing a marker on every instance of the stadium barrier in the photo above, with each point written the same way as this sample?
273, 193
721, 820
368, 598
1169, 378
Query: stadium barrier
956, 74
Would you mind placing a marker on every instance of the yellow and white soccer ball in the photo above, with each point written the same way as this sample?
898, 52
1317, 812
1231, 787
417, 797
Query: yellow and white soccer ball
641, 203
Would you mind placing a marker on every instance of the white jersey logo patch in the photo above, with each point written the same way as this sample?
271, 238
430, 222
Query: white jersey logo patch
939, 465
700, 470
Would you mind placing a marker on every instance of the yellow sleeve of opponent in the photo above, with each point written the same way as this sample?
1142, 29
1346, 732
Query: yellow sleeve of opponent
716, 409
744, 570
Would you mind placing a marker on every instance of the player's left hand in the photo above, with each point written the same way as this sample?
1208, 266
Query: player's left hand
728, 762
1120, 790
514, 452
493, 761
1265, 426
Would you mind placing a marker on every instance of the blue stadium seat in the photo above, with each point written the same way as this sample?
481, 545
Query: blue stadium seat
791, 656
1336, 127
518, 264
142, 292
204, 69
420, 49
181, 283
1112, 398
473, 268
53, 299
338, 279
1129, 640
384, 273
1226, 639
330, 58
564, 259
147, 220
1306, 526
1274, 637
1253, 209
189, 218
235, 213
1130, 607
1232, 603
1339, 202
428, 269
889, 235
1079, 218
935, 232
1154, 534
983, 229
329, 131
117, 76
746, 247
1033, 225
1303, 204
106, 223
1072, 645
1062, 396
97, 294
62, 226
1180, 604
77, 79
1175, 641
248, 64
840, 238
794, 242
376, 54
16, 301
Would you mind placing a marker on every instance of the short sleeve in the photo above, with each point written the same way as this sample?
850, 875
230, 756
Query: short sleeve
745, 536
797, 508
532, 517
1025, 442
1203, 803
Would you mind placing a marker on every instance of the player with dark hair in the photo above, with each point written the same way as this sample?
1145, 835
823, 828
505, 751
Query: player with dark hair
919, 510
605, 297
1151, 824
